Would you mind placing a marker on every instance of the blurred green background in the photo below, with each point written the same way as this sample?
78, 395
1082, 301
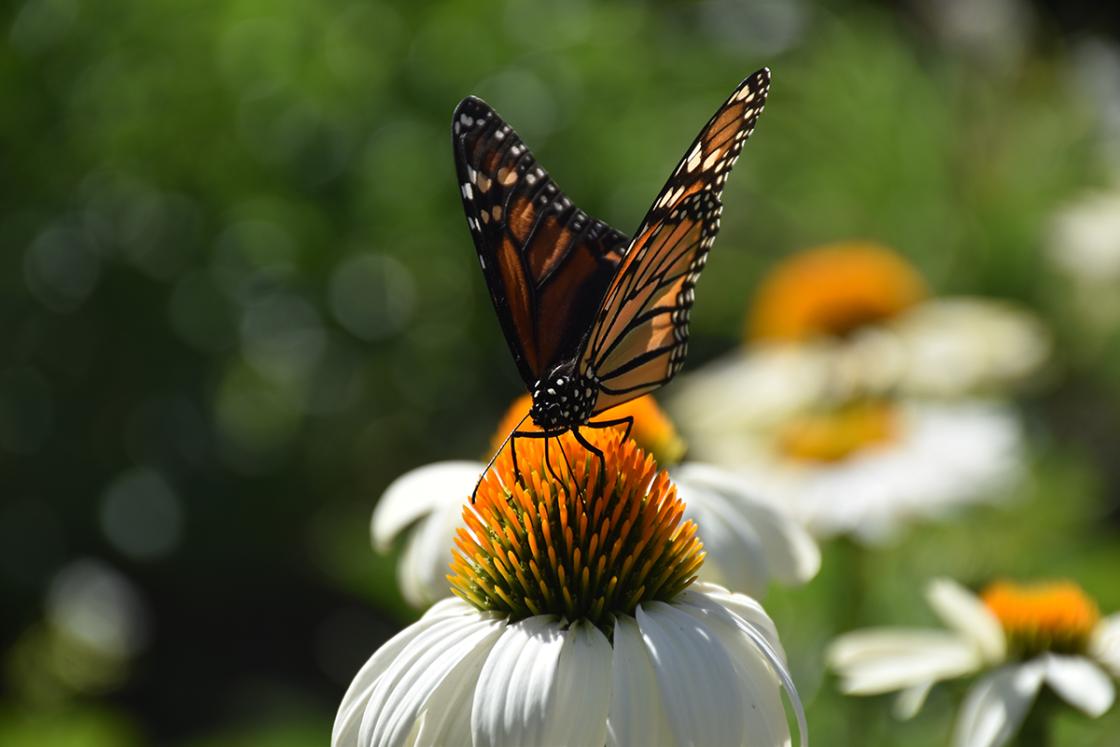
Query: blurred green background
238, 297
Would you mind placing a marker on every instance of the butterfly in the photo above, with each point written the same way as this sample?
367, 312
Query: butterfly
593, 317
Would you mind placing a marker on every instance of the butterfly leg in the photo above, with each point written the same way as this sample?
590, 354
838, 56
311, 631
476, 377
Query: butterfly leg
594, 450
532, 434
628, 421
548, 463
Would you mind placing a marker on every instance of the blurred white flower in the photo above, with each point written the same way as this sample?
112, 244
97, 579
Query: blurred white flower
863, 467
948, 347
1021, 637
1084, 246
1085, 239
862, 317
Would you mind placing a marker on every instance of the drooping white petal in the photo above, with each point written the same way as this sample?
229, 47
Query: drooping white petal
1105, 643
581, 700
1080, 682
735, 555
886, 659
415, 494
517, 681
742, 606
765, 718
636, 712
791, 555
438, 666
911, 700
423, 566
997, 705
695, 676
963, 611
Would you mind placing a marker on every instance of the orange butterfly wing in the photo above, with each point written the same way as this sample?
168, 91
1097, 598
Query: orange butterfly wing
640, 335
547, 263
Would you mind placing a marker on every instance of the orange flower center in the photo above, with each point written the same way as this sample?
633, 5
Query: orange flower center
1057, 616
833, 290
587, 543
833, 435
652, 430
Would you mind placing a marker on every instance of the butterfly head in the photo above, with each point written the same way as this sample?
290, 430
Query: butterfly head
562, 399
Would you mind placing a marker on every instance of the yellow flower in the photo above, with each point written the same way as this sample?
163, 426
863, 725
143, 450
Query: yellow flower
1056, 616
832, 290
832, 434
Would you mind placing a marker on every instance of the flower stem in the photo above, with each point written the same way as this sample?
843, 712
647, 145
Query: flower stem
849, 601
1038, 727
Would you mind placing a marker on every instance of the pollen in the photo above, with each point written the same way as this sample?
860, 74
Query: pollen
1053, 616
652, 429
837, 433
586, 542
833, 290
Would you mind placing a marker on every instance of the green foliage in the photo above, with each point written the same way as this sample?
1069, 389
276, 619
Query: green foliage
232, 251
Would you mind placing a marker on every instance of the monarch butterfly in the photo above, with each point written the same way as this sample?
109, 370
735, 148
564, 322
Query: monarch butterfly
592, 317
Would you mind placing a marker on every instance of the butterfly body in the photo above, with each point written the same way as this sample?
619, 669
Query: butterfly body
592, 317
562, 400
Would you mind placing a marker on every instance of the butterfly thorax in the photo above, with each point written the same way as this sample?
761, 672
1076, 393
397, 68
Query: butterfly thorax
562, 400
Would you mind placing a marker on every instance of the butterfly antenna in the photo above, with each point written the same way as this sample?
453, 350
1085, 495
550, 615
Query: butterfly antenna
508, 439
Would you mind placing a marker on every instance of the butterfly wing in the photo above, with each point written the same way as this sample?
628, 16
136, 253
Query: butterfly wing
640, 333
547, 263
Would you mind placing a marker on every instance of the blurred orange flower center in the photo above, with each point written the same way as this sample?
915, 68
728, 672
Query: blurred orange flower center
652, 430
1056, 616
833, 290
586, 546
833, 435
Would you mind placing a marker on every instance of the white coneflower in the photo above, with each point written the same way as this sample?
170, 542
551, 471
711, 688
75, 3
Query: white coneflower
748, 541
1020, 637
1084, 246
871, 312
576, 622
862, 467
858, 406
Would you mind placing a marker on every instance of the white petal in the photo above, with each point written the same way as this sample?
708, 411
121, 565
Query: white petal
419, 492
1081, 683
911, 700
792, 556
958, 345
423, 566
516, 684
582, 696
699, 687
740, 605
765, 722
354, 702
436, 669
996, 706
353, 706
963, 611
734, 552
637, 716
880, 660
1105, 645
